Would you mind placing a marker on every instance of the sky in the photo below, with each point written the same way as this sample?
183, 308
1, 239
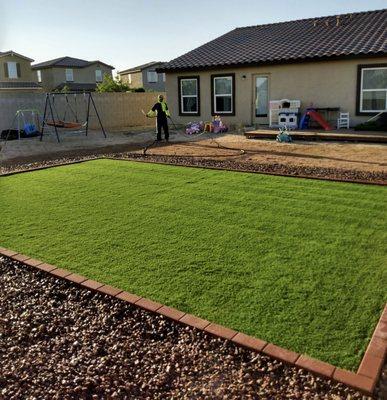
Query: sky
129, 33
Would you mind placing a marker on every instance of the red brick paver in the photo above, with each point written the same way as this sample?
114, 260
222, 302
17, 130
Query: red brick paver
221, 331
354, 380
129, 297
32, 262
249, 341
110, 290
91, 284
149, 305
171, 312
317, 366
285, 355
195, 322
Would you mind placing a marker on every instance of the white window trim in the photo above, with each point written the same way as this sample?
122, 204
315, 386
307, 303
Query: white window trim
230, 77
130, 79
72, 74
370, 90
13, 63
147, 76
96, 77
39, 75
189, 95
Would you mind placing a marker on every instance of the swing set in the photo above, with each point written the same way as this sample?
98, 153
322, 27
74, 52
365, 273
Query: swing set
73, 124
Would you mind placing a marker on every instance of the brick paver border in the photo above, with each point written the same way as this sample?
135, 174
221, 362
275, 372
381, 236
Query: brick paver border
364, 380
180, 164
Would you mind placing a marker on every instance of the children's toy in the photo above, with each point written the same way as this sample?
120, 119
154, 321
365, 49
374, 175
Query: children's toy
218, 125
284, 112
193, 128
283, 136
311, 113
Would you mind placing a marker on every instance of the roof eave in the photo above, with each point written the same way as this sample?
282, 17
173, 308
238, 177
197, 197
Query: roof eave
273, 62
13, 53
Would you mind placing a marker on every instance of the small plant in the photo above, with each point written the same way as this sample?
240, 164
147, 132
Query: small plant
109, 84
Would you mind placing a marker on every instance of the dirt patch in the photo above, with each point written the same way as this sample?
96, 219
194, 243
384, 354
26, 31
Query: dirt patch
60, 341
338, 161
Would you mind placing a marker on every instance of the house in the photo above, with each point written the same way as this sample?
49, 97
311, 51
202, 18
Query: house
76, 74
330, 62
144, 76
16, 73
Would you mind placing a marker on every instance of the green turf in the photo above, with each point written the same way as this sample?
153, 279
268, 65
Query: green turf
300, 263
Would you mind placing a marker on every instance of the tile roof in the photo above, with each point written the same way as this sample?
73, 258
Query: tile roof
11, 52
346, 35
141, 67
19, 85
67, 62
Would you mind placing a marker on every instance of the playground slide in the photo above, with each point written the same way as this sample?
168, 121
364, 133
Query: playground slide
320, 120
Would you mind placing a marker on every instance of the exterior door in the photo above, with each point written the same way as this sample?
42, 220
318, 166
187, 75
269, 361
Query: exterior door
261, 99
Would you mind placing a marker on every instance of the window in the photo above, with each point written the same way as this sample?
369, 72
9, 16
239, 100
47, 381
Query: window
152, 76
39, 74
223, 99
129, 78
189, 95
261, 96
372, 94
163, 74
13, 70
69, 75
98, 75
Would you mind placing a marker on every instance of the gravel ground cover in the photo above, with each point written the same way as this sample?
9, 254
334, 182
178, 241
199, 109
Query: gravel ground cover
229, 162
59, 341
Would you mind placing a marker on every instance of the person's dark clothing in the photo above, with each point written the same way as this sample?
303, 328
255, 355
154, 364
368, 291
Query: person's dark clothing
162, 121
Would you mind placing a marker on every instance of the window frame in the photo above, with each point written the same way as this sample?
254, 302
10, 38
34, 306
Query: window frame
359, 88
13, 63
72, 74
179, 81
268, 95
39, 75
129, 79
213, 95
156, 74
96, 80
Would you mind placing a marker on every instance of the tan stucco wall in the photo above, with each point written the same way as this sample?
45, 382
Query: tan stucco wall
117, 110
27, 75
52, 77
136, 79
324, 83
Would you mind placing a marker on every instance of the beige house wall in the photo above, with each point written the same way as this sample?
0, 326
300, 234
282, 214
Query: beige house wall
136, 79
324, 83
52, 77
26, 72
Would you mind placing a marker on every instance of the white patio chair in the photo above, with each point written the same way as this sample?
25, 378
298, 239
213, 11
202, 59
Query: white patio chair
343, 120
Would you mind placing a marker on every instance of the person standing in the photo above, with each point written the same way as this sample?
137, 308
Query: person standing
161, 112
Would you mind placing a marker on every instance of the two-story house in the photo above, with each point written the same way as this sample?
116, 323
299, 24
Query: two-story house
75, 74
16, 73
144, 76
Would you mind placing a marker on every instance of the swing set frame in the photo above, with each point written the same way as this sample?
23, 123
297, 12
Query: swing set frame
49, 108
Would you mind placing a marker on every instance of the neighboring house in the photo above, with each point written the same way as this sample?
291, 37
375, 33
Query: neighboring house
144, 76
16, 73
76, 74
336, 61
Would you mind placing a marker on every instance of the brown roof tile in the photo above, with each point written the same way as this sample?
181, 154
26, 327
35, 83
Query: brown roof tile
347, 35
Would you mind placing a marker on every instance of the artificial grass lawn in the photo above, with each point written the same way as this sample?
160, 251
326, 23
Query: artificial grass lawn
300, 263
